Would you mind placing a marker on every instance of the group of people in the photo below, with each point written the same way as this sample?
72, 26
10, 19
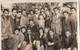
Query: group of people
41, 28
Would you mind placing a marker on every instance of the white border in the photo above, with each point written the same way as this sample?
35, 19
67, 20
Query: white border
25, 1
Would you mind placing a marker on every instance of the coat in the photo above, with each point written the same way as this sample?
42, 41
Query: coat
54, 40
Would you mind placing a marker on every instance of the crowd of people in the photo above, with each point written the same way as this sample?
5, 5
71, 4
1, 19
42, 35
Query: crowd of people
40, 28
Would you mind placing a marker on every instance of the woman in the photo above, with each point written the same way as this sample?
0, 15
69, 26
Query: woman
41, 21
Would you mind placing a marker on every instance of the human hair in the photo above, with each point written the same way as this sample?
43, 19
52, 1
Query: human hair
14, 9
5, 10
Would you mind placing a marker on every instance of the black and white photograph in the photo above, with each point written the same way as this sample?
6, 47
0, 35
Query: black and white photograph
39, 26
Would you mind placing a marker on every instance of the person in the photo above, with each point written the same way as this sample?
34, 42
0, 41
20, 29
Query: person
41, 32
13, 19
68, 41
56, 21
6, 24
66, 21
18, 18
24, 43
45, 38
53, 40
18, 39
48, 19
73, 20
7, 40
41, 21
37, 13
30, 39
32, 26
24, 19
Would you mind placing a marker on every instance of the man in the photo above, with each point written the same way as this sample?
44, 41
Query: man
56, 21
68, 41
18, 39
53, 41
7, 43
24, 19
48, 19
18, 18
13, 19
73, 19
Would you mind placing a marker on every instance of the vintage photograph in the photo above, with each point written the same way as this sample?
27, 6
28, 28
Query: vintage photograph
39, 26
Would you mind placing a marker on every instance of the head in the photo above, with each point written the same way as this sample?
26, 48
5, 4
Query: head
6, 12
73, 10
42, 9
24, 12
51, 32
31, 12
29, 31
56, 10
41, 17
40, 6
29, 15
19, 14
23, 29
41, 31
46, 30
68, 34
31, 22
16, 31
37, 11
66, 14
33, 6
14, 12
48, 12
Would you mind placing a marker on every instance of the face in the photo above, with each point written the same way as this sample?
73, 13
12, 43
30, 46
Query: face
29, 32
56, 10
41, 17
24, 12
51, 32
16, 31
47, 12
23, 30
6, 13
40, 7
41, 32
73, 11
31, 23
68, 34
66, 15
46, 30
32, 12
42, 10
37, 11
19, 15
29, 15
46, 8
14, 12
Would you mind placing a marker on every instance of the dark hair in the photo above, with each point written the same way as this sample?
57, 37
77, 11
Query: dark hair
23, 28
5, 10
14, 9
16, 29
31, 10
65, 12
51, 30
56, 8
72, 8
40, 28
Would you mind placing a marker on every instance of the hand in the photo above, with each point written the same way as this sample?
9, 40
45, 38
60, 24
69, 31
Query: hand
52, 43
19, 45
69, 49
